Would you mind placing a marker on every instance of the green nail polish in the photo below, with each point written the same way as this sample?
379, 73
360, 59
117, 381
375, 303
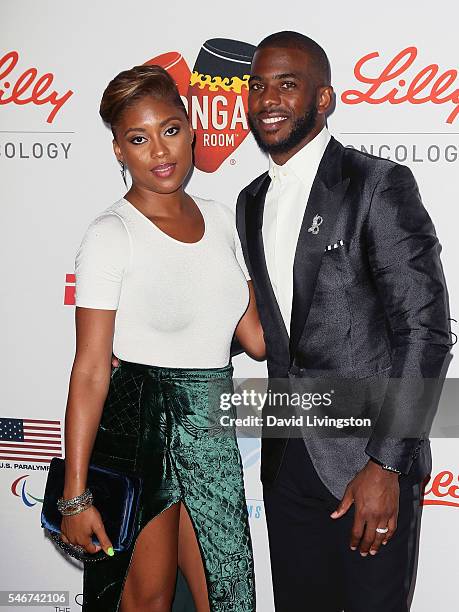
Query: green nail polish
110, 551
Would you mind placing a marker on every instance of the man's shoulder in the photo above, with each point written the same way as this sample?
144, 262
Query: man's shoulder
356, 161
363, 168
254, 185
360, 156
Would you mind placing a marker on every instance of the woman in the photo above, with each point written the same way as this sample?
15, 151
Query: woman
162, 283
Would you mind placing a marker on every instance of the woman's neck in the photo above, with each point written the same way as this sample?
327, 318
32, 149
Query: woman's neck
153, 204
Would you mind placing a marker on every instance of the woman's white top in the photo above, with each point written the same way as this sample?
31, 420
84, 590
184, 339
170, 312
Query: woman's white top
177, 303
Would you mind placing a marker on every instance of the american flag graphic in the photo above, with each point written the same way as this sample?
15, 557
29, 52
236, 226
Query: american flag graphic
31, 440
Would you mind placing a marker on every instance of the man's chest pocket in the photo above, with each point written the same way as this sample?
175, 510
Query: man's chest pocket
343, 265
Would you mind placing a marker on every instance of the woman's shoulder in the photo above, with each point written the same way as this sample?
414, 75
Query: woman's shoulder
111, 219
220, 210
108, 228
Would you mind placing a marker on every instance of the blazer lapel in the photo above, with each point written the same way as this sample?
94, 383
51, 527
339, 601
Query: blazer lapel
326, 196
254, 223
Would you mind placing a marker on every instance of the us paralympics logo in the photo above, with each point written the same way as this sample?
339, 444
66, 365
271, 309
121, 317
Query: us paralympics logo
19, 489
215, 93
250, 449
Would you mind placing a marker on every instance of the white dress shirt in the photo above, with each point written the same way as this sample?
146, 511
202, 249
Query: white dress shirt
285, 204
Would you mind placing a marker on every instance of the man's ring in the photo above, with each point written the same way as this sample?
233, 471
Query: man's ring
382, 529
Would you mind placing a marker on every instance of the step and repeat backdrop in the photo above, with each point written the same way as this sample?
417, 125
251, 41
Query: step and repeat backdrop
397, 96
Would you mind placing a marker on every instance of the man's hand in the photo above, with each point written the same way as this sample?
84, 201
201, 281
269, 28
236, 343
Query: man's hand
115, 361
375, 493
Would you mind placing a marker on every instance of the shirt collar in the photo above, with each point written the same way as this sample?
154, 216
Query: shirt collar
303, 163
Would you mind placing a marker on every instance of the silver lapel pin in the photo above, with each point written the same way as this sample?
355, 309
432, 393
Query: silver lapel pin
316, 222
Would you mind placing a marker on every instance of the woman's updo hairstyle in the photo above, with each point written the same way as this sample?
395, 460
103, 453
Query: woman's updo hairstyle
131, 85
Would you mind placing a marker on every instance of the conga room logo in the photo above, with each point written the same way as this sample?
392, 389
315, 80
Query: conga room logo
215, 93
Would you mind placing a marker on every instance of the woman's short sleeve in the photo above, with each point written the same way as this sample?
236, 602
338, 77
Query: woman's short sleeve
101, 261
240, 254
230, 216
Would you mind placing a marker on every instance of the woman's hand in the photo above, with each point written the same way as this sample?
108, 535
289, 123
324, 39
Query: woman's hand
78, 529
249, 331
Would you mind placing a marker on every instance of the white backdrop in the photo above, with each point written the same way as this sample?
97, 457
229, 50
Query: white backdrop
57, 175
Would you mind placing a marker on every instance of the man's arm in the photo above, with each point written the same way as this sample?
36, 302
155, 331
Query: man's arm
404, 255
403, 252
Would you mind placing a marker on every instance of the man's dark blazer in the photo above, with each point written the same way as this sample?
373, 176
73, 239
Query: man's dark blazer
376, 305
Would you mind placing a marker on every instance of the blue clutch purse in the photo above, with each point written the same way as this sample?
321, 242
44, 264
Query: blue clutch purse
116, 496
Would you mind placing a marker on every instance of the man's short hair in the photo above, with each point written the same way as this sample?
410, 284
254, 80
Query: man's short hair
295, 40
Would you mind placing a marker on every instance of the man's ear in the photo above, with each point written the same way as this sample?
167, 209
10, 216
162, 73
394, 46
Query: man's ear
325, 99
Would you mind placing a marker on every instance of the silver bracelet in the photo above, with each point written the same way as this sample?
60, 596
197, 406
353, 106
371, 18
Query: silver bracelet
69, 507
388, 468
76, 510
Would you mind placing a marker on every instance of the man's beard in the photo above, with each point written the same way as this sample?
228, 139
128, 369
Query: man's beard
301, 128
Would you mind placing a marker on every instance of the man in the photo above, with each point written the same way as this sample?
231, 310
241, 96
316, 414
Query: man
345, 265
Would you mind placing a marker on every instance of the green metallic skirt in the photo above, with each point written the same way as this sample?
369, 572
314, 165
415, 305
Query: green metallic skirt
163, 424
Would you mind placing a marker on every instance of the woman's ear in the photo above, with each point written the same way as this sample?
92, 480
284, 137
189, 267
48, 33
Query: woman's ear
117, 150
190, 127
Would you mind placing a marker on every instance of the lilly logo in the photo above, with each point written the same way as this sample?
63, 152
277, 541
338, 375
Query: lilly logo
442, 491
28, 87
396, 85
215, 94
18, 489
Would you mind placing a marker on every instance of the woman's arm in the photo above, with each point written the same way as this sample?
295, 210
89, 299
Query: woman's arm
100, 264
249, 331
88, 389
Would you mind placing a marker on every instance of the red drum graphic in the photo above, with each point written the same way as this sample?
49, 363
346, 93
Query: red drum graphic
176, 66
217, 100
